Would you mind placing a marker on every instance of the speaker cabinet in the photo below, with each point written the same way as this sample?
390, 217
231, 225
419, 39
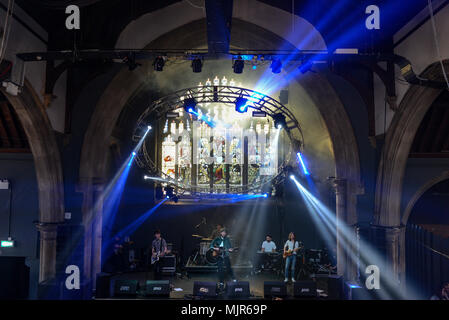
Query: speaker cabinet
273, 289
306, 289
204, 289
335, 287
124, 288
159, 288
239, 289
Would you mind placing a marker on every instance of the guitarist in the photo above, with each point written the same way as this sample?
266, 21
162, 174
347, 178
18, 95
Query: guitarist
222, 246
158, 250
291, 248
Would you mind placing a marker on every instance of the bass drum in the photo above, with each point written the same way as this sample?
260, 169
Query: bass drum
211, 260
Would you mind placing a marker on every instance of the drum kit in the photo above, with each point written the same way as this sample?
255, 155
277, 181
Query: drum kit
204, 255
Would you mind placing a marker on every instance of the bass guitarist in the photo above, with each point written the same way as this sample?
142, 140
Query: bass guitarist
291, 248
158, 250
222, 246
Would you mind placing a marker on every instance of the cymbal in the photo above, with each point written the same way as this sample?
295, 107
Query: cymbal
197, 236
206, 239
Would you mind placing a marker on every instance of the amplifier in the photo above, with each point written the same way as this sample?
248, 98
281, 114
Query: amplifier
274, 289
239, 289
168, 264
335, 287
305, 289
158, 288
122, 287
204, 289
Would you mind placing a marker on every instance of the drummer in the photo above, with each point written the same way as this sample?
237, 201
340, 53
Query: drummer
268, 245
216, 232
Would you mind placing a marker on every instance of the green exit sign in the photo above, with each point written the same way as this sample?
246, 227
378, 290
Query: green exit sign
7, 243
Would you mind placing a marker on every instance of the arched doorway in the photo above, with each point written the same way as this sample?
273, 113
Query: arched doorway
427, 240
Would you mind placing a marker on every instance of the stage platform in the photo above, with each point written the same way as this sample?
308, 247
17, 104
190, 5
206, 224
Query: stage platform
182, 286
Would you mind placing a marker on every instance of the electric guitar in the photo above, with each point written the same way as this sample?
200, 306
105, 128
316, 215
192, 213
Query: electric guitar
155, 257
288, 253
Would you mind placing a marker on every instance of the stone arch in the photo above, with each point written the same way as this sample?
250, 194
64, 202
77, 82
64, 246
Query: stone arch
429, 184
390, 175
399, 139
126, 83
48, 168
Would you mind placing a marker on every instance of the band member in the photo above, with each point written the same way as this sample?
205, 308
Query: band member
268, 245
291, 248
158, 250
216, 232
222, 246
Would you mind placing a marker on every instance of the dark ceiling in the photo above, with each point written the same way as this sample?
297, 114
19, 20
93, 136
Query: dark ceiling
102, 21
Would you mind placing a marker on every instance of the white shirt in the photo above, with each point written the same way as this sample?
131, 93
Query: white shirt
290, 246
268, 246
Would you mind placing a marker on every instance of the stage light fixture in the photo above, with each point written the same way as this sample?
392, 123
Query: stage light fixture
134, 153
241, 105
159, 63
303, 164
169, 192
197, 65
276, 66
259, 114
149, 128
238, 65
279, 121
130, 60
190, 105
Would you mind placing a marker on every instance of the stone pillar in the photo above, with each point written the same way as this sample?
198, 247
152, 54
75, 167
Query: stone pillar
92, 222
346, 234
388, 243
47, 258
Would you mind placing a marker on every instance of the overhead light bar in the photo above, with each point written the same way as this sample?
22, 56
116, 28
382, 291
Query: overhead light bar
172, 114
259, 114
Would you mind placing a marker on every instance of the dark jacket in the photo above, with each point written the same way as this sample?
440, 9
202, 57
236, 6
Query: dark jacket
217, 241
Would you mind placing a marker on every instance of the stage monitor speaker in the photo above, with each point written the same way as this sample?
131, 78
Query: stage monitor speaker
335, 287
124, 288
159, 288
306, 288
239, 289
204, 289
276, 289
103, 285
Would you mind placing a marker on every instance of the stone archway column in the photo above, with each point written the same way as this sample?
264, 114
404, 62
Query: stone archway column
390, 243
346, 243
92, 211
48, 167
47, 254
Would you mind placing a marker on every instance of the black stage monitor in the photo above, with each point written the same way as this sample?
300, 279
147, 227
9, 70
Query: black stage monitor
159, 288
239, 289
335, 287
204, 289
125, 288
305, 288
276, 289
